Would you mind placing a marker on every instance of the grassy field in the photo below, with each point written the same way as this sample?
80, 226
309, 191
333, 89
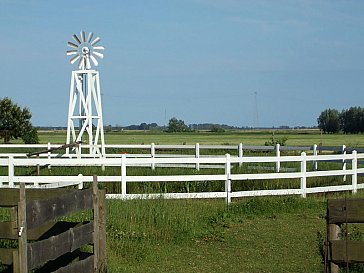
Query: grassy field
252, 235
294, 137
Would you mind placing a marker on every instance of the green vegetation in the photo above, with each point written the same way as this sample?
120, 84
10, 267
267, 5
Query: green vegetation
15, 122
175, 126
349, 121
261, 234
281, 234
232, 137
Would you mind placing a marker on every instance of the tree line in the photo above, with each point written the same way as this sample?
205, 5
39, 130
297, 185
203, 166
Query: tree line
349, 121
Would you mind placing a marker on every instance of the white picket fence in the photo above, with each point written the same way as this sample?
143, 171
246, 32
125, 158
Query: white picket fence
124, 162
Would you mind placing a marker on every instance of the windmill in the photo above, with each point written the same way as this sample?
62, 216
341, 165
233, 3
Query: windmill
85, 108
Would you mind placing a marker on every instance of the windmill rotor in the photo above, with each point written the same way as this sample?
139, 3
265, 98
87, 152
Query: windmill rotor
84, 50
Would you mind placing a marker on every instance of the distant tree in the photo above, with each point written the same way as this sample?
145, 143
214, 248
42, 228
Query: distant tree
352, 120
329, 121
215, 128
15, 122
175, 125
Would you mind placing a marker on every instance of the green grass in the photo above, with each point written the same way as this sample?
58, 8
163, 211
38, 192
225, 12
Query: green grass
233, 137
270, 234
252, 235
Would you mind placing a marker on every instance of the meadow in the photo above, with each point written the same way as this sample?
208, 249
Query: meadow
233, 137
251, 235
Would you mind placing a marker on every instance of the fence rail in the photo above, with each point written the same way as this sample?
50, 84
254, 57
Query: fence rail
152, 149
348, 166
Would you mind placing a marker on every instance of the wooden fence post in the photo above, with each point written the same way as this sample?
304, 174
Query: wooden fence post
354, 179
99, 210
278, 154
102, 232
228, 179
11, 171
343, 150
22, 232
334, 234
123, 174
197, 155
314, 163
241, 153
303, 174
152, 155
96, 223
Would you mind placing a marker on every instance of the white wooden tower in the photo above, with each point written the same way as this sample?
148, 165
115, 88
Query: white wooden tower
85, 108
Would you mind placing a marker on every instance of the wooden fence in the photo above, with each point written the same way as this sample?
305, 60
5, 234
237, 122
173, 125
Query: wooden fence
340, 250
47, 244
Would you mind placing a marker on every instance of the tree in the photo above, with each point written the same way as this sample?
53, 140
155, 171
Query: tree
175, 125
15, 122
352, 120
215, 128
329, 121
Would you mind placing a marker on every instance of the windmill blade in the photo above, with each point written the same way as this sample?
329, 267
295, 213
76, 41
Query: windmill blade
74, 59
99, 48
97, 39
96, 63
71, 52
74, 36
83, 36
88, 64
72, 45
89, 37
98, 54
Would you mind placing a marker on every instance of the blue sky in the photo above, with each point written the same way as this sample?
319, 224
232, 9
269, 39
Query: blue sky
198, 60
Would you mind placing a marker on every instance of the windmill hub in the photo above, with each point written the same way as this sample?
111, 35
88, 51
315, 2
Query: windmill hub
85, 50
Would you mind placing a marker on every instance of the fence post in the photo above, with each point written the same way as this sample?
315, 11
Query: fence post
11, 171
22, 231
334, 234
152, 155
315, 154
49, 154
123, 175
344, 162
197, 155
228, 179
96, 218
278, 154
303, 174
354, 178
80, 181
241, 154
79, 151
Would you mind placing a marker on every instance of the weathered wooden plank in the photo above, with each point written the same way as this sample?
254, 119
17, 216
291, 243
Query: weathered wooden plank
341, 211
49, 249
84, 266
10, 197
7, 230
42, 211
355, 251
6, 255
102, 231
